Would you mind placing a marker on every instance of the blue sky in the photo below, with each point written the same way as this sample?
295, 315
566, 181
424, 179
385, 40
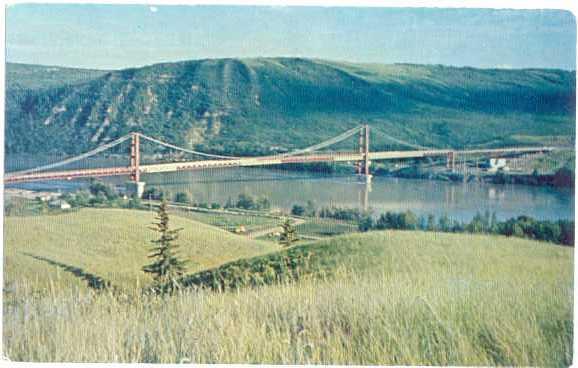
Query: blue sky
119, 36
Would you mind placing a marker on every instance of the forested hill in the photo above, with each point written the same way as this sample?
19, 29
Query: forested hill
28, 76
255, 106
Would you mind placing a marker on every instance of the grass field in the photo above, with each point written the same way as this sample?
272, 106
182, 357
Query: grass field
229, 221
325, 227
392, 297
110, 243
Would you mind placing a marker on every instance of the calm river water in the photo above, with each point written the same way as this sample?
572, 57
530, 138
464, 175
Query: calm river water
285, 188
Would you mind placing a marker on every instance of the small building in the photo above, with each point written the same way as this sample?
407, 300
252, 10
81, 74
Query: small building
44, 196
59, 203
496, 164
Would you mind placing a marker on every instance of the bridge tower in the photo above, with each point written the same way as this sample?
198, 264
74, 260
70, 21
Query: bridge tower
363, 165
134, 186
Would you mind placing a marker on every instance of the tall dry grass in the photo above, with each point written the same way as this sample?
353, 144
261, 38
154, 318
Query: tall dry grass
405, 298
350, 319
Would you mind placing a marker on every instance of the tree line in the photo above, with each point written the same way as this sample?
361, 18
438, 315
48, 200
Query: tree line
559, 232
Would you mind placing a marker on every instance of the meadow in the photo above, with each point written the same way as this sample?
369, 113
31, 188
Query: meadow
111, 243
384, 297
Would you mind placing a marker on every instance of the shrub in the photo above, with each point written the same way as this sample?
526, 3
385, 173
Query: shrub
246, 201
181, 197
298, 210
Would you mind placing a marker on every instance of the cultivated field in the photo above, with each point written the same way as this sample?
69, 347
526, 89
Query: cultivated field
389, 297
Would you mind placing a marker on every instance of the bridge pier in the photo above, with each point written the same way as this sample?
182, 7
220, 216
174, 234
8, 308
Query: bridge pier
365, 178
451, 161
134, 188
364, 196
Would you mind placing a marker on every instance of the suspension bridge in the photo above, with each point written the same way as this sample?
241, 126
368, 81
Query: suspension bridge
361, 157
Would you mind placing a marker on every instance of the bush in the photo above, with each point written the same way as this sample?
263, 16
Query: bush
403, 221
97, 188
246, 201
134, 203
347, 214
153, 193
181, 197
564, 177
298, 210
81, 199
365, 223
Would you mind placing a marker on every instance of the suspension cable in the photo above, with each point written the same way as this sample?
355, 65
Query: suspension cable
399, 141
314, 147
168, 145
73, 159
321, 145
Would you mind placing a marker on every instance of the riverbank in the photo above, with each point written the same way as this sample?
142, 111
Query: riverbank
562, 178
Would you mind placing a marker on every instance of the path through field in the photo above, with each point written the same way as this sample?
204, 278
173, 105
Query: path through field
275, 229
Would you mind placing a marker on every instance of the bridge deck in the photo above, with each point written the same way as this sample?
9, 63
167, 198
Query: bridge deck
258, 161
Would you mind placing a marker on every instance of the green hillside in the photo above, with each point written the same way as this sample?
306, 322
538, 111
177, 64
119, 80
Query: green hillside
388, 253
253, 106
109, 243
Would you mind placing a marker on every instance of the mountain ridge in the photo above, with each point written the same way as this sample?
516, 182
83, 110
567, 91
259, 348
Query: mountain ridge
336, 61
252, 105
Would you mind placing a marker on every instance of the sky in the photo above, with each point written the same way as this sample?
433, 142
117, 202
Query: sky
121, 36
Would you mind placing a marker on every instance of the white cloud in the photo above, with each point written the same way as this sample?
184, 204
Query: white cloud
153, 9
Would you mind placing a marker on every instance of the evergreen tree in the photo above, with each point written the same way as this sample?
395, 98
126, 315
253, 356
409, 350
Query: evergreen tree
167, 267
298, 210
431, 222
288, 235
246, 201
444, 224
494, 223
181, 197
365, 223
310, 209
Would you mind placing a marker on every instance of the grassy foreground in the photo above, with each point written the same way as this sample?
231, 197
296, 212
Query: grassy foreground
386, 298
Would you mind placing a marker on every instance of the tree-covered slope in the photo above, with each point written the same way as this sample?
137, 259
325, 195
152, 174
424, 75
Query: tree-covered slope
252, 106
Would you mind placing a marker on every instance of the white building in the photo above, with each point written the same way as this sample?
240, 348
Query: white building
59, 203
497, 164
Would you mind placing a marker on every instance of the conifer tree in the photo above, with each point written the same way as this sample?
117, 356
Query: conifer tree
166, 267
288, 235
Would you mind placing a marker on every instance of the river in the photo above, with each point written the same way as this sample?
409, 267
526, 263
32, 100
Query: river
459, 201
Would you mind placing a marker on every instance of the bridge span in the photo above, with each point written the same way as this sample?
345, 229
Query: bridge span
362, 158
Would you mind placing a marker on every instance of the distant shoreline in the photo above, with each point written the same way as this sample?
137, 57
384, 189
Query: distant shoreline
557, 180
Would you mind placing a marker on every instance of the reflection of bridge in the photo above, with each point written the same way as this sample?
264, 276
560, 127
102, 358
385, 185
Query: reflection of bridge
362, 158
